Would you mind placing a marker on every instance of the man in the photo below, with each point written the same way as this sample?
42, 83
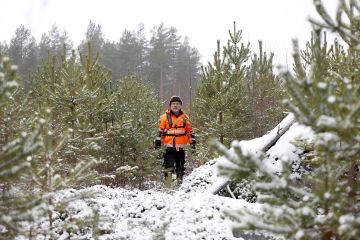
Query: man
175, 133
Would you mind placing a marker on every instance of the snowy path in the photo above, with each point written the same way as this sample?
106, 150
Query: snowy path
149, 215
187, 213
190, 212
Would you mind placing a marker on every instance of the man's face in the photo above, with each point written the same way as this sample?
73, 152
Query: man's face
175, 107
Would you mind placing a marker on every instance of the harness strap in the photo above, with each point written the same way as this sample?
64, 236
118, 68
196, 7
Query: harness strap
168, 115
176, 135
169, 119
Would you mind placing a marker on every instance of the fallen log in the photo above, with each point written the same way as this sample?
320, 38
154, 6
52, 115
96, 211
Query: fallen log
269, 140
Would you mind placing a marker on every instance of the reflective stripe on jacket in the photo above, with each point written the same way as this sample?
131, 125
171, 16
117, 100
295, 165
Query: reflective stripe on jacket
175, 131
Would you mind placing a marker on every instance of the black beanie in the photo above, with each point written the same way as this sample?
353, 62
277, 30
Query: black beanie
175, 99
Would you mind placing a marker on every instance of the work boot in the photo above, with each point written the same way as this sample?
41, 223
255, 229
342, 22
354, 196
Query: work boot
179, 177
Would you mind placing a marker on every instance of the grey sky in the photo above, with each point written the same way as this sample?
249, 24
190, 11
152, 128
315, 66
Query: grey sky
276, 22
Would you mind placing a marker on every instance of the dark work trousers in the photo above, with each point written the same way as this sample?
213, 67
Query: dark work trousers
174, 160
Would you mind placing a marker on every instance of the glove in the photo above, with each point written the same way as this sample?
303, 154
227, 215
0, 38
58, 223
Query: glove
157, 143
193, 144
193, 141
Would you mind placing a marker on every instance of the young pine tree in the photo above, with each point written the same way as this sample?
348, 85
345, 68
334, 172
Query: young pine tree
128, 148
28, 176
236, 98
264, 94
77, 93
323, 94
219, 105
15, 157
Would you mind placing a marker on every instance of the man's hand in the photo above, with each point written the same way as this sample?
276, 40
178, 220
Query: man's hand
157, 143
193, 144
193, 141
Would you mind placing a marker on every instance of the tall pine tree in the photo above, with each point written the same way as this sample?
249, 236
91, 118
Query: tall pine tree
24, 52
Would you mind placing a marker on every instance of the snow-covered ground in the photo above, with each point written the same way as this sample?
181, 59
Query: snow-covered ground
149, 215
189, 212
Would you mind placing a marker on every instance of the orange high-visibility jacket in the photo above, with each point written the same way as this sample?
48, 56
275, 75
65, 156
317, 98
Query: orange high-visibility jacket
175, 131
